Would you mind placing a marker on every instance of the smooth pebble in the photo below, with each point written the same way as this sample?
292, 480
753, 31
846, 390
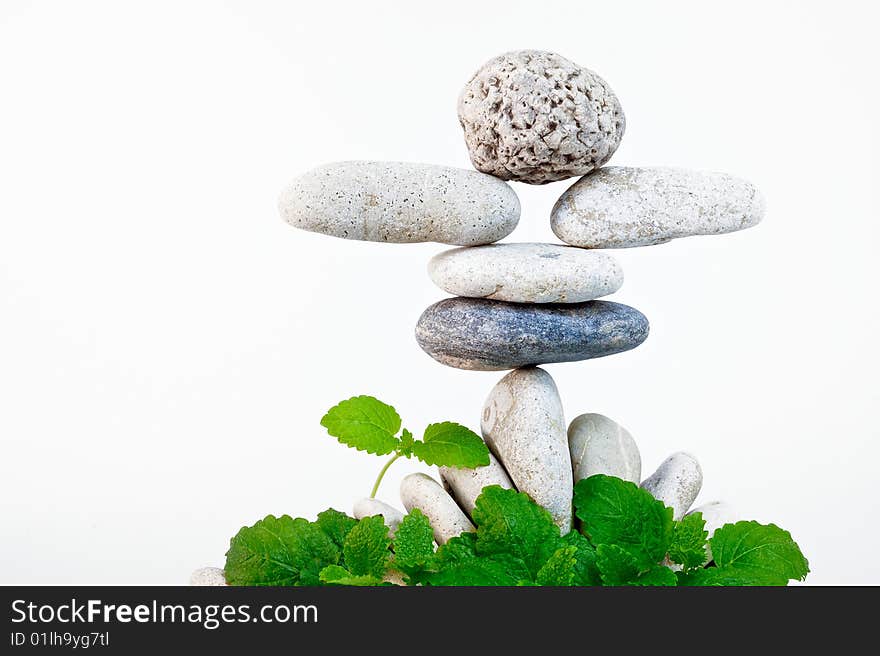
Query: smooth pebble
423, 492
676, 482
600, 445
368, 507
465, 485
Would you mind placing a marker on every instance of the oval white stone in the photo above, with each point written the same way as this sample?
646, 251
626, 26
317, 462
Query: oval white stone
423, 492
368, 507
467, 484
401, 202
621, 207
601, 446
526, 273
208, 576
676, 482
524, 426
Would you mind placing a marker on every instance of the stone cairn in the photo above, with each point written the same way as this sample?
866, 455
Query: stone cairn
533, 117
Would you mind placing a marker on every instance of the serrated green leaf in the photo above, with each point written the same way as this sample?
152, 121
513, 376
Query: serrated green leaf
688, 544
407, 441
559, 569
620, 567
335, 525
413, 543
616, 512
279, 551
365, 551
448, 444
510, 524
749, 553
364, 423
586, 572
336, 575
457, 563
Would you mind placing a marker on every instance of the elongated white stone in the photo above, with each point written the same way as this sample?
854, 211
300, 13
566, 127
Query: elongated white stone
524, 426
465, 485
208, 576
601, 446
423, 492
676, 482
368, 507
401, 202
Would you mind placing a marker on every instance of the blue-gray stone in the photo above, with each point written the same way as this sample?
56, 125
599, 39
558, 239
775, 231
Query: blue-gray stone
484, 335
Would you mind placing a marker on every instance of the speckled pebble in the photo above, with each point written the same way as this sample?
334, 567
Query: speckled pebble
484, 335
465, 485
524, 426
536, 117
207, 577
423, 492
401, 202
676, 482
620, 207
368, 507
526, 273
601, 446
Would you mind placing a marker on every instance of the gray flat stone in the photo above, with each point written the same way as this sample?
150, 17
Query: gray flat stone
484, 335
524, 426
401, 202
423, 492
621, 207
601, 446
676, 482
526, 273
536, 117
467, 484
368, 507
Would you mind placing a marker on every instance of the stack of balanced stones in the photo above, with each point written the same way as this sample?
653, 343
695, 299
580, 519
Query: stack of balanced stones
531, 117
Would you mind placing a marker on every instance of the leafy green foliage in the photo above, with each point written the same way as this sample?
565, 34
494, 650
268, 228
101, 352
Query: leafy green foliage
447, 443
413, 544
366, 547
688, 545
620, 567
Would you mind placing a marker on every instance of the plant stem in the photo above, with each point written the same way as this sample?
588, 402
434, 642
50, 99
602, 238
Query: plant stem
382, 474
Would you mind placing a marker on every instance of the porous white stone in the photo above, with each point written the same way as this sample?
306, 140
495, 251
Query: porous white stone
536, 117
600, 445
465, 485
368, 507
208, 576
423, 492
526, 273
524, 426
676, 482
401, 202
621, 207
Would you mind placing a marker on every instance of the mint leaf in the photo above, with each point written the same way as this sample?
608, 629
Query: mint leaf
413, 543
749, 553
451, 445
336, 575
335, 525
279, 551
406, 443
586, 572
457, 563
559, 568
509, 523
366, 547
617, 512
364, 423
620, 567
688, 545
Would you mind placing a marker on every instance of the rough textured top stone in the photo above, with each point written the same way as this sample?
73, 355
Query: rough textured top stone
484, 335
620, 207
536, 117
401, 202
526, 273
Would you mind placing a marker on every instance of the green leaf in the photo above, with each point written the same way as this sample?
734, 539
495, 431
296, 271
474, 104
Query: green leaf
457, 563
365, 551
688, 545
617, 512
336, 575
509, 523
279, 551
559, 568
620, 567
413, 543
586, 572
749, 553
451, 445
364, 423
407, 442
335, 525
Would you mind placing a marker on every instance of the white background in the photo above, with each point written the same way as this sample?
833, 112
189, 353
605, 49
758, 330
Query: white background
168, 345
